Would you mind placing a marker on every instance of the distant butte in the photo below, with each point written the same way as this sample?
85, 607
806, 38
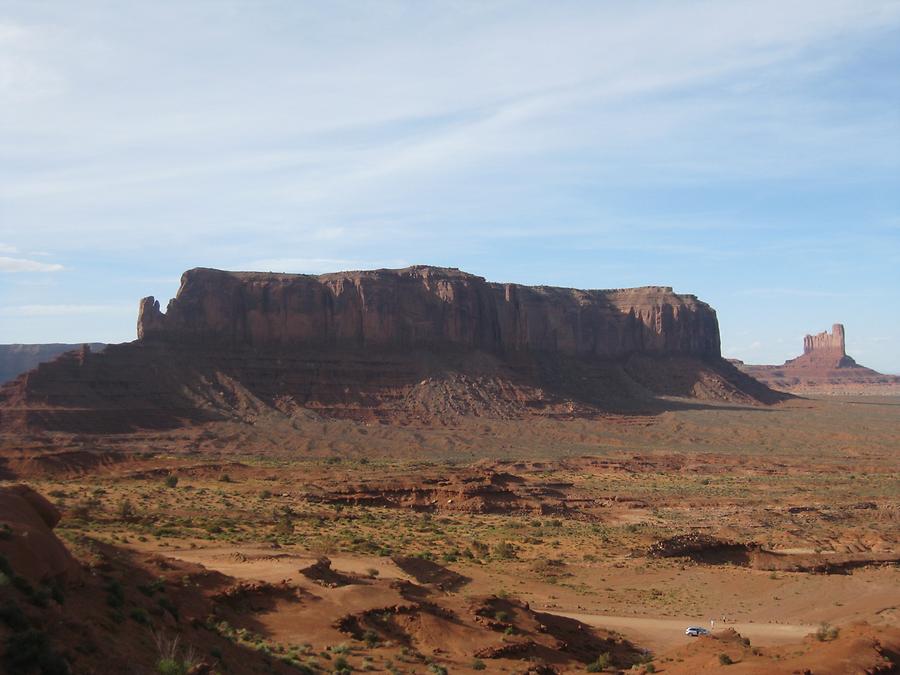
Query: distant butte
16, 359
823, 368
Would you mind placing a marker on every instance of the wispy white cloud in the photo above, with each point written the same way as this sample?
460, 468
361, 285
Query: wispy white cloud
25, 265
371, 122
24, 73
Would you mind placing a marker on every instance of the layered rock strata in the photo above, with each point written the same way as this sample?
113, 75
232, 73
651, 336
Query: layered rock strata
426, 307
398, 346
16, 359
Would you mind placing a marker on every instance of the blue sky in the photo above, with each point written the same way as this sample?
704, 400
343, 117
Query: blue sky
746, 152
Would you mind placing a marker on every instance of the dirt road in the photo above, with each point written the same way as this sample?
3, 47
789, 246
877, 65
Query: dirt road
660, 634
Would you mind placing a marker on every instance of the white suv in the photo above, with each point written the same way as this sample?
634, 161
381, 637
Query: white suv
696, 631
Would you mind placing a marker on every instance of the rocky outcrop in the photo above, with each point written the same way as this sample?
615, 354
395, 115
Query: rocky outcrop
416, 345
823, 368
825, 343
16, 359
27, 541
823, 351
427, 307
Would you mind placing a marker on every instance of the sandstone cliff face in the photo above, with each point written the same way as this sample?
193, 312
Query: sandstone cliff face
426, 307
826, 344
420, 345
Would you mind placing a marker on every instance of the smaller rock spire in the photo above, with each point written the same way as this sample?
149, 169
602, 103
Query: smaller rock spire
826, 342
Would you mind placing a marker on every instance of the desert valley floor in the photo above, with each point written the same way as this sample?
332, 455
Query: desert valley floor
511, 546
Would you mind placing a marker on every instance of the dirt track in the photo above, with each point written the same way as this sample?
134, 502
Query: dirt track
652, 633
661, 634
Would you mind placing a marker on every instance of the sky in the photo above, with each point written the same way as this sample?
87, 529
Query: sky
745, 152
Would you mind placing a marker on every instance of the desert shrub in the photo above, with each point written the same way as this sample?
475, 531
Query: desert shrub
115, 595
437, 669
372, 572
225, 478
13, 616
57, 592
600, 663
478, 664
171, 481
370, 637
152, 587
725, 660
40, 596
84, 509
549, 567
826, 632
139, 614
167, 605
341, 665
172, 659
265, 494
284, 521
126, 510
171, 667
649, 668
504, 550
28, 651
479, 548
22, 585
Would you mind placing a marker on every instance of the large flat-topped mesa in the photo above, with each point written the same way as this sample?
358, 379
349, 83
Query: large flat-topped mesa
421, 345
427, 307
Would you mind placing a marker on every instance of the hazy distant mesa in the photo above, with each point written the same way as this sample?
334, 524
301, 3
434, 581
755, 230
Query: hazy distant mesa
823, 368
